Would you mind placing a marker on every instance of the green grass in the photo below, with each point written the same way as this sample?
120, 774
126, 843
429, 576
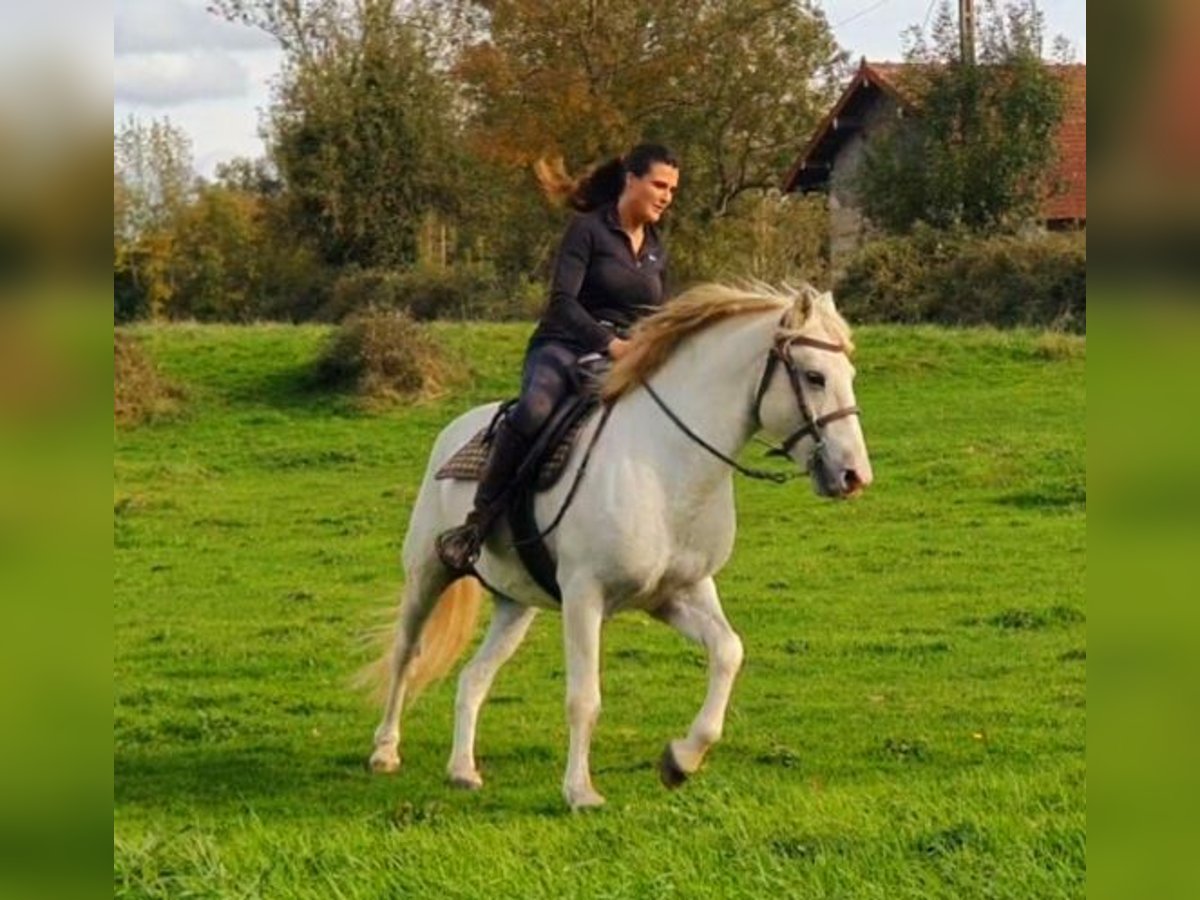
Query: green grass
909, 723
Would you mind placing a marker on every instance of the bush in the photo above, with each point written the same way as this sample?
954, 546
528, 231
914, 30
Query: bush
140, 393
763, 236
953, 278
465, 291
383, 355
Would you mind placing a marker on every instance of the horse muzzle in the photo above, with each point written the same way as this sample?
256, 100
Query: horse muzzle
837, 482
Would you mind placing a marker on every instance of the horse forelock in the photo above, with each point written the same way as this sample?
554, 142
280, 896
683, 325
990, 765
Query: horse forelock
656, 337
814, 314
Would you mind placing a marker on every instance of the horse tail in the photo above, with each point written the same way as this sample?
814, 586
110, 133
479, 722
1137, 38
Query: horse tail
445, 635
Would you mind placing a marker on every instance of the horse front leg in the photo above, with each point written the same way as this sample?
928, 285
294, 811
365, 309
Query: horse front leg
697, 615
583, 616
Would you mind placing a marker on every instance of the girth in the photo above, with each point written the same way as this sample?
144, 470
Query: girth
528, 539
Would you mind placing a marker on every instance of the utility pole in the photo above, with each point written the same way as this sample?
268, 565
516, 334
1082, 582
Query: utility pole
966, 31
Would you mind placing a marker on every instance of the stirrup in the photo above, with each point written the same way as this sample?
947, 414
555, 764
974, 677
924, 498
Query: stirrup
458, 548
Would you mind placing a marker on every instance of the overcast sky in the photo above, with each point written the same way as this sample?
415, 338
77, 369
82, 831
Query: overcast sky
212, 78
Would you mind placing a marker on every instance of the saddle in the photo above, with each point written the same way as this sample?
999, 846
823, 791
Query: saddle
541, 469
547, 456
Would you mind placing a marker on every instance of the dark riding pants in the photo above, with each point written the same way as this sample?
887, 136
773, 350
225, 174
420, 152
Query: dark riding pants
549, 376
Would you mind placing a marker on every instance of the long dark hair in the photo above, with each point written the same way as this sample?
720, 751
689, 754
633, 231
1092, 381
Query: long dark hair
600, 184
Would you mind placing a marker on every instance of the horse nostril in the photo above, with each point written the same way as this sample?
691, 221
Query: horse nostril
851, 480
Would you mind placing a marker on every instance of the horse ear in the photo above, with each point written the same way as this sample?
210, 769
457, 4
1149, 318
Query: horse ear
827, 301
804, 305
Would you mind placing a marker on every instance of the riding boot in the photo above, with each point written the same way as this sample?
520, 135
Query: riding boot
459, 548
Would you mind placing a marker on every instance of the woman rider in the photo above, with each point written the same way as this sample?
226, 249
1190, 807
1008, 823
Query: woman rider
609, 272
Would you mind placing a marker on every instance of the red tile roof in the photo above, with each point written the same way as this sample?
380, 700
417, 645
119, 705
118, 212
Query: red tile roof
1068, 192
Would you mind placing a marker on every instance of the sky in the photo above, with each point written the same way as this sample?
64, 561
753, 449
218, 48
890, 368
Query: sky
212, 78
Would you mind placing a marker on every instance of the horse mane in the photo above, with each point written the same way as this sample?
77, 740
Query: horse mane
656, 337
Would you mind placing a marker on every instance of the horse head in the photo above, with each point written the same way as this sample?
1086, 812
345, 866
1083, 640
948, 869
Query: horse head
806, 397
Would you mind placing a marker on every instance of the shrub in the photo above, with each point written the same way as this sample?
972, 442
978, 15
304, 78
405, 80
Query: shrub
955, 279
140, 393
383, 355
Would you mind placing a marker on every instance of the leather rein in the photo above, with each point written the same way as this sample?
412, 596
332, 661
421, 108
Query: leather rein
779, 354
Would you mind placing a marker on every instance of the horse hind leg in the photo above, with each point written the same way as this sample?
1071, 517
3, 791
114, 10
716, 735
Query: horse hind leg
697, 615
510, 623
425, 586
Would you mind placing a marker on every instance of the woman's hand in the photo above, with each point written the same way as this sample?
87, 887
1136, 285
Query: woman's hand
618, 347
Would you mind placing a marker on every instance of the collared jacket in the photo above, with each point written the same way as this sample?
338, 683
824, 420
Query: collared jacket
599, 288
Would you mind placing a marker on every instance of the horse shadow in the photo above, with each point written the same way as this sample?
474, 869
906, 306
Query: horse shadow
282, 782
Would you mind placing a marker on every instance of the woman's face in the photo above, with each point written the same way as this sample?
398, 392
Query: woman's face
647, 196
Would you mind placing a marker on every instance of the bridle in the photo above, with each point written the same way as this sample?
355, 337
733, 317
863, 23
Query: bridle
779, 354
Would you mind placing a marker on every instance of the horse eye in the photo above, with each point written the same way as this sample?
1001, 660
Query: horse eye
816, 379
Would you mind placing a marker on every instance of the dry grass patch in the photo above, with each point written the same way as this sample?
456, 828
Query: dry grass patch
383, 357
140, 393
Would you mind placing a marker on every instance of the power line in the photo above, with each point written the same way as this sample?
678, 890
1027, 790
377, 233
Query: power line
860, 13
928, 13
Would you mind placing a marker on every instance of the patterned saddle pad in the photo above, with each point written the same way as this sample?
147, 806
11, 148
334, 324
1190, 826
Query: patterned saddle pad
467, 462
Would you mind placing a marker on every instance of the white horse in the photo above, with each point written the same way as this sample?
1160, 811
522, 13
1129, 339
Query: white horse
652, 520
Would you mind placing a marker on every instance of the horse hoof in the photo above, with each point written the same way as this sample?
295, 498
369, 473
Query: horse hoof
384, 762
471, 782
584, 800
669, 771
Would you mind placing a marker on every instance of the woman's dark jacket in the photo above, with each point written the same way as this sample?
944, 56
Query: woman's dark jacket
599, 289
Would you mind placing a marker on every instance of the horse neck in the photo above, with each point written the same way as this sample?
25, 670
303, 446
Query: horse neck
709, 383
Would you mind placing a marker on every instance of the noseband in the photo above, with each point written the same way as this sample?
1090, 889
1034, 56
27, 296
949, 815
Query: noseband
780, 353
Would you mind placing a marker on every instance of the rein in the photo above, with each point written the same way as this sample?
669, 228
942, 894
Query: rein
760, 474
813, 425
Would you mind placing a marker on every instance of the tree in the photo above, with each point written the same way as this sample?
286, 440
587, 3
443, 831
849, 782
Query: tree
219, 246
251, 176
727, 83
153, 180
360, 130
982, 140
153, 175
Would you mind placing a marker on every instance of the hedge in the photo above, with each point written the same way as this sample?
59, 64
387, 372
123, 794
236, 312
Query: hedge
953, 278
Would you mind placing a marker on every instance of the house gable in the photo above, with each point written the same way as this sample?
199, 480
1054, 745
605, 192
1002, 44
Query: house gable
875, 87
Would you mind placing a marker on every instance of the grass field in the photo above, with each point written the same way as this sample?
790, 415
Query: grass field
910, 721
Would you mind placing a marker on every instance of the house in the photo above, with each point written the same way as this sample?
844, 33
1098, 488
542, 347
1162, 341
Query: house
833, 155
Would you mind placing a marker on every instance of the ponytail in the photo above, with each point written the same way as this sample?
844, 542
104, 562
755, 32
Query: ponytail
601, 184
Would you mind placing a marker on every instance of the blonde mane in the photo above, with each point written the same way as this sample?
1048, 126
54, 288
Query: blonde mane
655, 338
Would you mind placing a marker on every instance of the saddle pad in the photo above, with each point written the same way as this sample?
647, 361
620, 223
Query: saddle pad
467, 462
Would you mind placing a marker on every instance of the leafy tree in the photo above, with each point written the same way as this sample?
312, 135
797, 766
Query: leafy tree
153, 175
982, 140
217, 259
360, 130
153, 180
727, 83
251, 176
